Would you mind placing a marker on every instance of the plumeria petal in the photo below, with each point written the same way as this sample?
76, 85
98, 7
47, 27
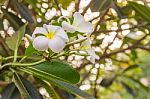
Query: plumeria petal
80, 36
92, 60
87, 43
51, 28
68, 27
39, 30
40, 43
92, 53
85, 27
61, 33
56, 45
78, 18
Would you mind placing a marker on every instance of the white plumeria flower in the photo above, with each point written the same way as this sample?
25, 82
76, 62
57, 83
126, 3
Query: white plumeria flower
79, 24
49, 36
86, 45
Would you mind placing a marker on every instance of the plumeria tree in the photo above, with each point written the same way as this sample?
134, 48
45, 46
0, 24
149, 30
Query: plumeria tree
64, 49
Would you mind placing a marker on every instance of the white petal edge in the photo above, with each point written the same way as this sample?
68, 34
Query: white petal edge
61, 33
92, 53
69, 28
51, 28
92, 60
39, 30
85, 27
40, 43
56, 45
86, 44
80, 37
78, 18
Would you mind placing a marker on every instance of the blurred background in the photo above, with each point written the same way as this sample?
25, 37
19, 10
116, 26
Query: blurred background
121, 38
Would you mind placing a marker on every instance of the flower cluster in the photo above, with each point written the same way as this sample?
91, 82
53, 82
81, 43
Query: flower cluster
55, 37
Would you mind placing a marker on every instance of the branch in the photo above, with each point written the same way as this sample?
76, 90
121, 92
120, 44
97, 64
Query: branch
95, 84
101, 19
87, 7
77, 4
57, 4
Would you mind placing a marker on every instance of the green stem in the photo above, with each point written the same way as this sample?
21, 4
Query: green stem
23, 64
10, 57
15, 55
22, 58
81, 54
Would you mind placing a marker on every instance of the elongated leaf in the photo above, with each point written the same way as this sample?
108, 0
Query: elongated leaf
10, 92
49, 89
100, 5
14, 41
130, 68
119, 11
129, 90
61, 84
138, 82
24, 11
21, 87
14, 20
60, 70
70, 88
142, 10
34, 93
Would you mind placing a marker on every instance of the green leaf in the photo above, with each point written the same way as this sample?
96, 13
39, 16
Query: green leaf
60, 70
130, 68
129, 89
14, 41
34, 93
49, 89
100, 5
134, 55
143, 11
137, 81
29, 50
61, 84
57, 70
14, 20
31, 2
20, 86
70, 88
10, 92
65, 3
26, 89
119, 11
23, 10
74, 34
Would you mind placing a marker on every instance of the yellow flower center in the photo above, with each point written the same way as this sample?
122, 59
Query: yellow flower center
50, 35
